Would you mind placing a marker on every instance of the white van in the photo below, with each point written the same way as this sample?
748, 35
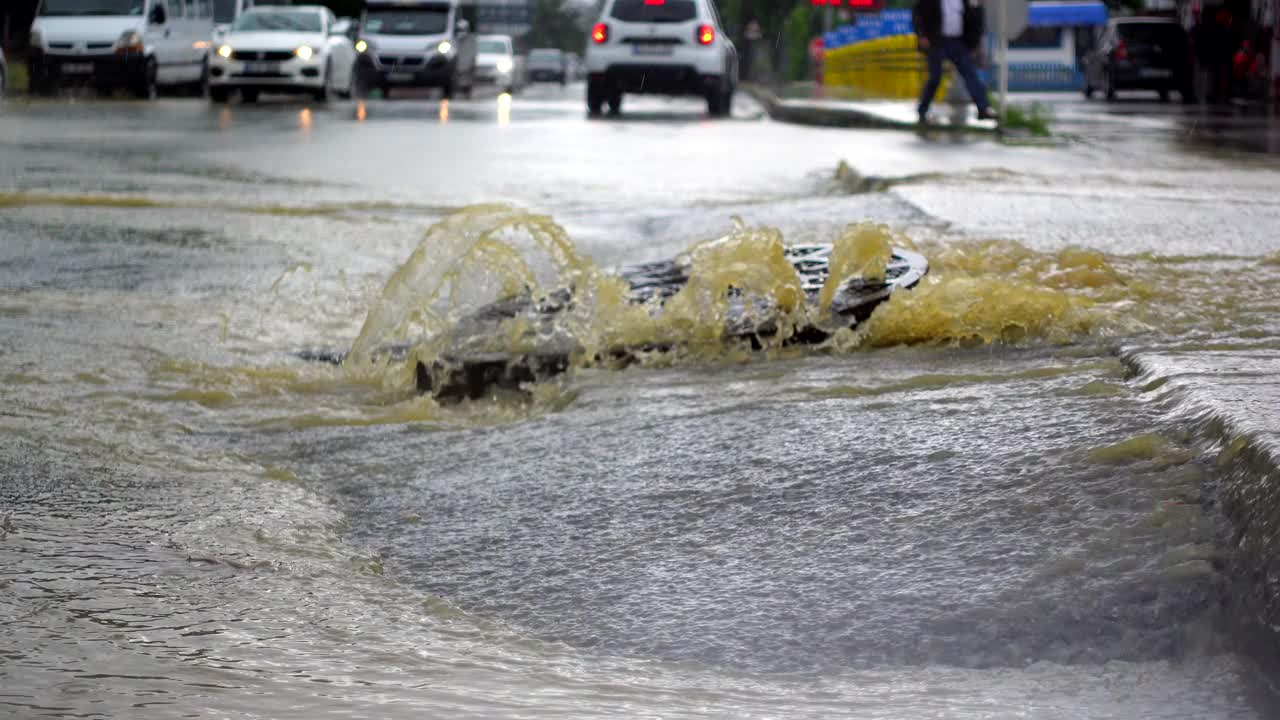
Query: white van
137, 44
415, 44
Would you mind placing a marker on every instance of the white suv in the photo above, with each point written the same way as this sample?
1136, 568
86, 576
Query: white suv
665, 47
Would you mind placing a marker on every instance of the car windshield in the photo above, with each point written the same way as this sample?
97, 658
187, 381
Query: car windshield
91, 7
410, 21
493, 47
1163, 34
545, 57
277, 20
224, 11
654, 11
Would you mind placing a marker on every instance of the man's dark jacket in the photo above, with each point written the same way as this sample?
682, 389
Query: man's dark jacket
927, 18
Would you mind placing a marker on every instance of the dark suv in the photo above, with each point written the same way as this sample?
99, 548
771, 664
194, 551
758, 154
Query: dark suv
1140, 53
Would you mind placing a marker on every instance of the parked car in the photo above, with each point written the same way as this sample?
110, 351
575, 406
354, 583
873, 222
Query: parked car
496, 63
138, 44
548, 65
296, 49
673, 47
417, 44
1140, 53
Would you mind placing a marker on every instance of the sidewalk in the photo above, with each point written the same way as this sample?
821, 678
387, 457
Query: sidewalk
1236, 129
810, 104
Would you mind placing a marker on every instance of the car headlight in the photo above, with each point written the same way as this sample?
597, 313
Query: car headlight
130, 41
504, 65
304, 52
224, 51
445, 47
362, 45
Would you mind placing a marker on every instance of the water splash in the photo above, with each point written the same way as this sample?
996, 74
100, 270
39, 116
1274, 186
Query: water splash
467, 285
476, 260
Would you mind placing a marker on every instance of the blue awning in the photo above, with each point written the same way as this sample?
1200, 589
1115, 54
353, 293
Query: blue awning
1065, 14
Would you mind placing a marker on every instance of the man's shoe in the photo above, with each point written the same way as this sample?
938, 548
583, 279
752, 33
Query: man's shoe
987, 114
922, 119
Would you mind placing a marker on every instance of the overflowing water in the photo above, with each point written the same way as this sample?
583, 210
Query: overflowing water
970, 505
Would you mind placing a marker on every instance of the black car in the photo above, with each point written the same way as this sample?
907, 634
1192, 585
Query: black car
1140, 53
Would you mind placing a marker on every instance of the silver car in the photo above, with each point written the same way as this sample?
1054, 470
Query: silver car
497, 64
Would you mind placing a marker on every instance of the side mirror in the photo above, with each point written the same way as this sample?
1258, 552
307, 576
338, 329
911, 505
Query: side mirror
158, 15
462, 28
340, 28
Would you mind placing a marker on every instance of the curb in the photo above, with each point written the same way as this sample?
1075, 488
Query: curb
800, 112
1246, 486
809, 115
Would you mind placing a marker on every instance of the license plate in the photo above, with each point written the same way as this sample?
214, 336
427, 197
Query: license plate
1155, 72
77, 68
261, 67
650, 49
399, 77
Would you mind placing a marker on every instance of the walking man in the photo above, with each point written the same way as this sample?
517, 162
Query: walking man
950, 30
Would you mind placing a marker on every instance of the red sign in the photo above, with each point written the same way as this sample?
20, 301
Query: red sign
856, 5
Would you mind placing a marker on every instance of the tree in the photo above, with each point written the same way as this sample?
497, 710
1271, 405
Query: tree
797, 31
557, 24
772, 17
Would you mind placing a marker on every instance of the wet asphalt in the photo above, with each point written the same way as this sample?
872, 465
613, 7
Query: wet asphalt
1000, 505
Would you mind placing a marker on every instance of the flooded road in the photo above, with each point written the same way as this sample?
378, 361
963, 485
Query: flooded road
995, 500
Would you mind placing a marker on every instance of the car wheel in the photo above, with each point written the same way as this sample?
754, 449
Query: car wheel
200, 87
446, 91
360, 85
1164, 95
595, 98
715, 102
321, 94
249, 96
1088, 90
144, 87
219, 95
615, 104
728, 101
37, 81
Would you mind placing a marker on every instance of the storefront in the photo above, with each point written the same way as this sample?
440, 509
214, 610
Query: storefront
1046, 56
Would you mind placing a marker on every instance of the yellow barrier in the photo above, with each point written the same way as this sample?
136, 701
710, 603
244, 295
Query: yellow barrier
887, 67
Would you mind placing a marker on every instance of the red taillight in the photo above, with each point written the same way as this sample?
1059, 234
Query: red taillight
1121, 52
706, 34
600, 33
655, 2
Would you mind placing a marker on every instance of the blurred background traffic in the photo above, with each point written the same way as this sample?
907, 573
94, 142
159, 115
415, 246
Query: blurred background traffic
1200, 52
